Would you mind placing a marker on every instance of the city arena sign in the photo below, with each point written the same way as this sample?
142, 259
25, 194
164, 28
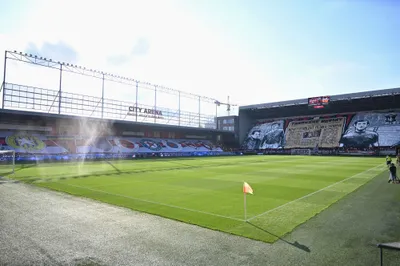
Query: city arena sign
145, 112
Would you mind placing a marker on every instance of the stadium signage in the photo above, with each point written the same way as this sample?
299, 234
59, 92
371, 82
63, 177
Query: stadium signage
25, 142
145, 112
318, 102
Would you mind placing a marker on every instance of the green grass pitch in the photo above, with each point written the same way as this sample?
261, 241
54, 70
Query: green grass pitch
288, 190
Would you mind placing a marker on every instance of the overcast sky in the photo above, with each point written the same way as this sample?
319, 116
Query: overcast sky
254, 51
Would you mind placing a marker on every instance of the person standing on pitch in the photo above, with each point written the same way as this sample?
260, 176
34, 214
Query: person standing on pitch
388, 160
393, 174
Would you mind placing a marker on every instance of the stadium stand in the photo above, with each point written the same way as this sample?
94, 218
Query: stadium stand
33, 146
364, 123
40, 144
47, 122
354, 131
35, 137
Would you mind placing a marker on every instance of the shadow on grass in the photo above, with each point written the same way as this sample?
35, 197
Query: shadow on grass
25, 166
295, 243
113, 166
5, 176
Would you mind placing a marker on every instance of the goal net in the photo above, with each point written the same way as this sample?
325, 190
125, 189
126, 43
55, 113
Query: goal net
7, 162
300, 151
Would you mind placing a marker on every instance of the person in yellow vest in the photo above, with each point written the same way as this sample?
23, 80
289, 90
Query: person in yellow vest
388, 160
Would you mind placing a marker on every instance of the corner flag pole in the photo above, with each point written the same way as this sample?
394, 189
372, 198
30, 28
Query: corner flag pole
246, 189
245, 209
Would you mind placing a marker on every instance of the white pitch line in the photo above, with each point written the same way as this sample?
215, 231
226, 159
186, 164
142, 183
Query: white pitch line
158, 203
315, 192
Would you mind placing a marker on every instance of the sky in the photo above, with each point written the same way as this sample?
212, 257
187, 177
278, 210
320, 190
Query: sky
253, 51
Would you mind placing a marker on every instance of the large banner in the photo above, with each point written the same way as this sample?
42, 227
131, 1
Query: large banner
25, 142
322, 133
269, 135
356, 131
377, 129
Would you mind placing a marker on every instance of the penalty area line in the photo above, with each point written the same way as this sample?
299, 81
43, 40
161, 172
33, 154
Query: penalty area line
158, 203
315, 192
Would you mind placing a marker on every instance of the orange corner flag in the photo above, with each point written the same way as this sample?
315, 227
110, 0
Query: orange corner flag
247, 189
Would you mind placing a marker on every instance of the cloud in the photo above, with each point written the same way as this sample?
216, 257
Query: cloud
118, 60
336, 69
59, 51
141, 47
336, 78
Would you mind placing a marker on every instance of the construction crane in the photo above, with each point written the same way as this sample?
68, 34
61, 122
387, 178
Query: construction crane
228, 105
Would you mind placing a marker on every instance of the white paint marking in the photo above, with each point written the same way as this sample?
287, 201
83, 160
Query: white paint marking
315, 192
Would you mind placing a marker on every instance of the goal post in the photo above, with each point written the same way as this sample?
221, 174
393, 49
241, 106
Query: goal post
300, 151
7, 162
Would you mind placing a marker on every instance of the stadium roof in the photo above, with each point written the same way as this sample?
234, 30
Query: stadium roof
340, 97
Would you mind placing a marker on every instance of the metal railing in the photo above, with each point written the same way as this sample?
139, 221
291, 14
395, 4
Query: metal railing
27, 98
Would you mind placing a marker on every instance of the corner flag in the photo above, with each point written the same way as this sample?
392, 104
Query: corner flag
246, 190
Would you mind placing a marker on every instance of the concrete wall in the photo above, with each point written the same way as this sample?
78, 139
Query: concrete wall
245, 124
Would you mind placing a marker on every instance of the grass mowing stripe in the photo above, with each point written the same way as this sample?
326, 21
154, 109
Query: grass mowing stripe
183, 194
315, 192
139, 171
211, 174
156, 203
